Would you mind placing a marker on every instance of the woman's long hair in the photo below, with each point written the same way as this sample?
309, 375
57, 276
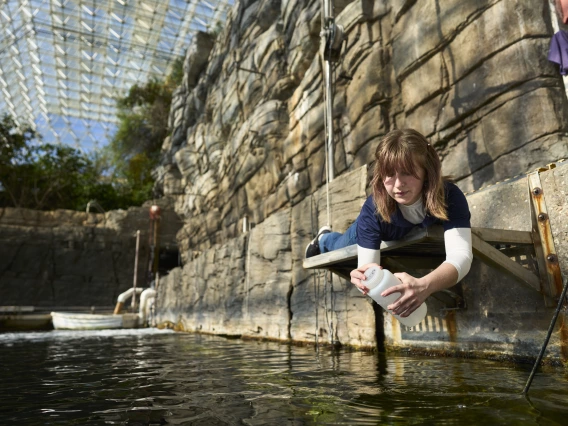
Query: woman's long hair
401, 151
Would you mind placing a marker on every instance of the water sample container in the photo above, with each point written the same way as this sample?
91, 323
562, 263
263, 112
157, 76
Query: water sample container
378, 280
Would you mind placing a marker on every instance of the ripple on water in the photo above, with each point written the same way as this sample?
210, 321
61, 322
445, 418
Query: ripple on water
160, 377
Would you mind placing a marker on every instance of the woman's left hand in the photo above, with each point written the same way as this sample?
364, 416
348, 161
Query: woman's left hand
358, 276
413, 292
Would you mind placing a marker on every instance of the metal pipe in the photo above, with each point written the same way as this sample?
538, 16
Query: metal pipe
95, 204
123, 297
136, 269
155, 213
326, 9
329, 118
550, 328
147, 295
156, 247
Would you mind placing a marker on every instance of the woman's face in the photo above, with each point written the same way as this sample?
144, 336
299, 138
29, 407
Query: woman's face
404, 188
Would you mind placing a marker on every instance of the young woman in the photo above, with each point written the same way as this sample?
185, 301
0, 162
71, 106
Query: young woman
408, 191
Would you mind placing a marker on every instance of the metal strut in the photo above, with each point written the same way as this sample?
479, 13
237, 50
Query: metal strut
330, 49
332, 36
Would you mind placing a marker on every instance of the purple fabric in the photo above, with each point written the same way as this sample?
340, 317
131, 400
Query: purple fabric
558, 52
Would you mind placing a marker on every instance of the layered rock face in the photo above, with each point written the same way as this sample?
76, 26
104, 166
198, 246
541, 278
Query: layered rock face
248, 141
248, 128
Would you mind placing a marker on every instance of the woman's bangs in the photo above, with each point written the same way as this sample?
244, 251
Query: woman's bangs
401, 162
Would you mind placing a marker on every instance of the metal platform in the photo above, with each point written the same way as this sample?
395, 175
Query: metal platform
423, 248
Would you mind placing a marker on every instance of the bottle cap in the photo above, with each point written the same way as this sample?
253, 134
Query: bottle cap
374, 276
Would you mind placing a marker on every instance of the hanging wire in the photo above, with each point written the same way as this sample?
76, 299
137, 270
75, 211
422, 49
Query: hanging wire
332, 79
326, 130
329, 76
329, 311
333, 311
326, 80
316, 278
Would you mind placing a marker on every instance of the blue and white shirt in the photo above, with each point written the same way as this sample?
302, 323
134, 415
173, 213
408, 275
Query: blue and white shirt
372, 230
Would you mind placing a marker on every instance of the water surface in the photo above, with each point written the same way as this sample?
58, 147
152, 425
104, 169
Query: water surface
151, 377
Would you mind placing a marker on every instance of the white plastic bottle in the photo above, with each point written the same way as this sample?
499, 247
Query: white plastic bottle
378, 280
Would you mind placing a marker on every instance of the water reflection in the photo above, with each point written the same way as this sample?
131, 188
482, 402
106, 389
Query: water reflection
147, 377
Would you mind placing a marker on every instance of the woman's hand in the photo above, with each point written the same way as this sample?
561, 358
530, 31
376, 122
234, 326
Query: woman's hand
358, 276
413, 292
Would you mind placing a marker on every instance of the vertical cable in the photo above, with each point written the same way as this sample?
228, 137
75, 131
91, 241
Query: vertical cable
326, 130
328, 104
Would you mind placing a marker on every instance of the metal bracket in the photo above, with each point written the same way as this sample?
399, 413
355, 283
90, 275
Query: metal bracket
334, 37
548, 266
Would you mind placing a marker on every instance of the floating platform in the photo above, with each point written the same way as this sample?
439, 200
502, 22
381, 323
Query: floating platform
23, 318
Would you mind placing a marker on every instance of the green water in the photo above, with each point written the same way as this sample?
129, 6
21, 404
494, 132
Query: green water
149, 377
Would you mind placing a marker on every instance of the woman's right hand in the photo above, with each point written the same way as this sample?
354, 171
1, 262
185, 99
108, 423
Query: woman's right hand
358, 276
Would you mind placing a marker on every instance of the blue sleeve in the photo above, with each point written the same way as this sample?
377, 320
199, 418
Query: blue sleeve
554, 51
458, 209
368, 226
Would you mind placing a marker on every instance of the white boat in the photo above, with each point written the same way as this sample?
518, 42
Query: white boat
86, 321
76, 321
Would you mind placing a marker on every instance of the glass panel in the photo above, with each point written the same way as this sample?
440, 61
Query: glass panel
72, 57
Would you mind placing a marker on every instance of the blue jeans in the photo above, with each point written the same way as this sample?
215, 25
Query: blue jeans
337, 240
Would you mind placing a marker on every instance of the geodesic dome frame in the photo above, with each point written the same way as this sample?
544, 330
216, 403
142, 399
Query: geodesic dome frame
64, 62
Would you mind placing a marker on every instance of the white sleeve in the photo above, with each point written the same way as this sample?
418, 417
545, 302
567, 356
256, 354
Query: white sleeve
458, 249
365, 255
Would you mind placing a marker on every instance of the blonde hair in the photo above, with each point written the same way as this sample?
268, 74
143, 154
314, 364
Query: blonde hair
402, 151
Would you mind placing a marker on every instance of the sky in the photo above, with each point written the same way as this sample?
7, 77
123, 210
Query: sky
63, 63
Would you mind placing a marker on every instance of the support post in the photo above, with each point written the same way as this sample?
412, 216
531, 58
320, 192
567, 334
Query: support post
155, 216
331, 42
135, 280
329, 119
549, 268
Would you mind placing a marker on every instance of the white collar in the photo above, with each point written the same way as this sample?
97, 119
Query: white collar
417, 205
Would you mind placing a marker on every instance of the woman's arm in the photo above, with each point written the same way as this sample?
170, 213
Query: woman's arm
414, 291
457, 242
366, 256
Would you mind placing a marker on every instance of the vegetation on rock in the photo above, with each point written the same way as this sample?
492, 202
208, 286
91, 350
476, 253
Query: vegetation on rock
47, 176
135, 148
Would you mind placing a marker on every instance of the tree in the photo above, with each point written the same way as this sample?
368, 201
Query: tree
14, 154
135, 148
47, 176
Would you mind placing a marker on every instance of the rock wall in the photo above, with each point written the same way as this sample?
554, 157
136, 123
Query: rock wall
247, 122
73, 259
248, 141
254, 285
